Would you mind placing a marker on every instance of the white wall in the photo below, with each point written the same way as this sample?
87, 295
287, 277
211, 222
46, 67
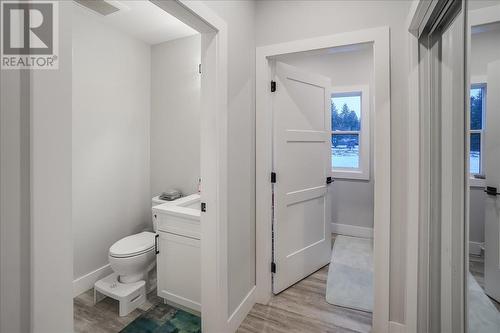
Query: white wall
175, 115
240, 18
280, 21
50, 192
352, 200
485, 48
111, 113
35, 142
15, 226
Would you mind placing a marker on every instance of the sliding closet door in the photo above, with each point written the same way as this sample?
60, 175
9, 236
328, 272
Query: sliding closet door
450, 104
441, 297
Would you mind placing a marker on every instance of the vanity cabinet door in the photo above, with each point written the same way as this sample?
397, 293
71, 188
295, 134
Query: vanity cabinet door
179, 270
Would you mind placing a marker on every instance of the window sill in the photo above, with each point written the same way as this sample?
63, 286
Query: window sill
350, 175
477, 182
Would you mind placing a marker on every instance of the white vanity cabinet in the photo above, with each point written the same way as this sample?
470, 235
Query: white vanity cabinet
179, 255
179, 266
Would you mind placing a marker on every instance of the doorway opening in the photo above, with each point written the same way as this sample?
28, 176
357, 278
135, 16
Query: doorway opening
133, 123
315, 101
483, 276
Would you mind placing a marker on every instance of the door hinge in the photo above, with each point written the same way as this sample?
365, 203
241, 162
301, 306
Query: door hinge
199, 68
273, 86
329, 180
273, 177
273, 267
203, 207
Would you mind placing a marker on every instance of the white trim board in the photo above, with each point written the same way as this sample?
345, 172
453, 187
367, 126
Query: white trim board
413, 198
86, 282
352, 230
214, 160
475, 248
241, 311
485, 15
381, 164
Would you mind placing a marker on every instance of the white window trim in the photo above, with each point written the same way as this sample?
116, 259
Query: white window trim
363, 172
479, 81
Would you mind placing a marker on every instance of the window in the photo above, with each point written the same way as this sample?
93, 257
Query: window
350, 133
477, 118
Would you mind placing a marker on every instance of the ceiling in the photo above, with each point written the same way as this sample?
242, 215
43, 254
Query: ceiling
144, 21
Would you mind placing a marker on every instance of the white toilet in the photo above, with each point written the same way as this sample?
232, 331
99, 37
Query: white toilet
133, 257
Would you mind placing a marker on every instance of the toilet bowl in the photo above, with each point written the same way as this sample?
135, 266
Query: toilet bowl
132, 257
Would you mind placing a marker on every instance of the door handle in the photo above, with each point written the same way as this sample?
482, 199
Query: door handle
490, 190
329, 180
156, 244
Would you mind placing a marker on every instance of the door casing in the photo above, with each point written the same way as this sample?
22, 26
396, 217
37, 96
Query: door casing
381, 168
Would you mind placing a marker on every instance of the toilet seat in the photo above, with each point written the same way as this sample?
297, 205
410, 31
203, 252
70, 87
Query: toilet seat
133, 245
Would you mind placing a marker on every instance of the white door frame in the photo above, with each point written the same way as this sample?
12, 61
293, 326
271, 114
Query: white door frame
214, 50
49, 126
381, 167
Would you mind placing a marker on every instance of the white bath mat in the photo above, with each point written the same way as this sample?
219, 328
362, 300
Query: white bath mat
483, 316
350, 275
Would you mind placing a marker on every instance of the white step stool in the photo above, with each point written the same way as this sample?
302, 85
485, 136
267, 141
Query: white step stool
130, 295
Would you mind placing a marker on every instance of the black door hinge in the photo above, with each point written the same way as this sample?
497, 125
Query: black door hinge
273, 177
273, 86
273, 267
199, 68
329, 180
203, 207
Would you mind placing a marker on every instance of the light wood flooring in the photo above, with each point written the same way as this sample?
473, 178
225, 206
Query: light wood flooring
303, 308
300, 308
103, 317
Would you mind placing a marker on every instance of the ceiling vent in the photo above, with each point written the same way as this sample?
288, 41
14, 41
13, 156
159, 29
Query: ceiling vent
99, 6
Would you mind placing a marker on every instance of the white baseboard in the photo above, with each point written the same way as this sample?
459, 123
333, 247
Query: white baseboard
395, 327
241, 311
352, 230
86, 282
475, 248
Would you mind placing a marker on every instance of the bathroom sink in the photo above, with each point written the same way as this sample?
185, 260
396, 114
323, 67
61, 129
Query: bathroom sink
180, 217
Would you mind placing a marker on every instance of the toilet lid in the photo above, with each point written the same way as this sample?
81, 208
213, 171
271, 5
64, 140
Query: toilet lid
133, 245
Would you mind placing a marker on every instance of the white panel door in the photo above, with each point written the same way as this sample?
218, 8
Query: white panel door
492, 170
302, 162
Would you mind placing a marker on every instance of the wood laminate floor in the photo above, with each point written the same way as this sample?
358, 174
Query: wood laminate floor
103, 317
303, 308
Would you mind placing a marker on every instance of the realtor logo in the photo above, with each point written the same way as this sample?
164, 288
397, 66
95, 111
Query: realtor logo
29, 35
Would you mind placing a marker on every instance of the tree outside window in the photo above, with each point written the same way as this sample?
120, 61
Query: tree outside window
477, 109
346, 127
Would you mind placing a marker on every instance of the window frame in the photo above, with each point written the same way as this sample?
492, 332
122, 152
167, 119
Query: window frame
478, 82
363, 171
